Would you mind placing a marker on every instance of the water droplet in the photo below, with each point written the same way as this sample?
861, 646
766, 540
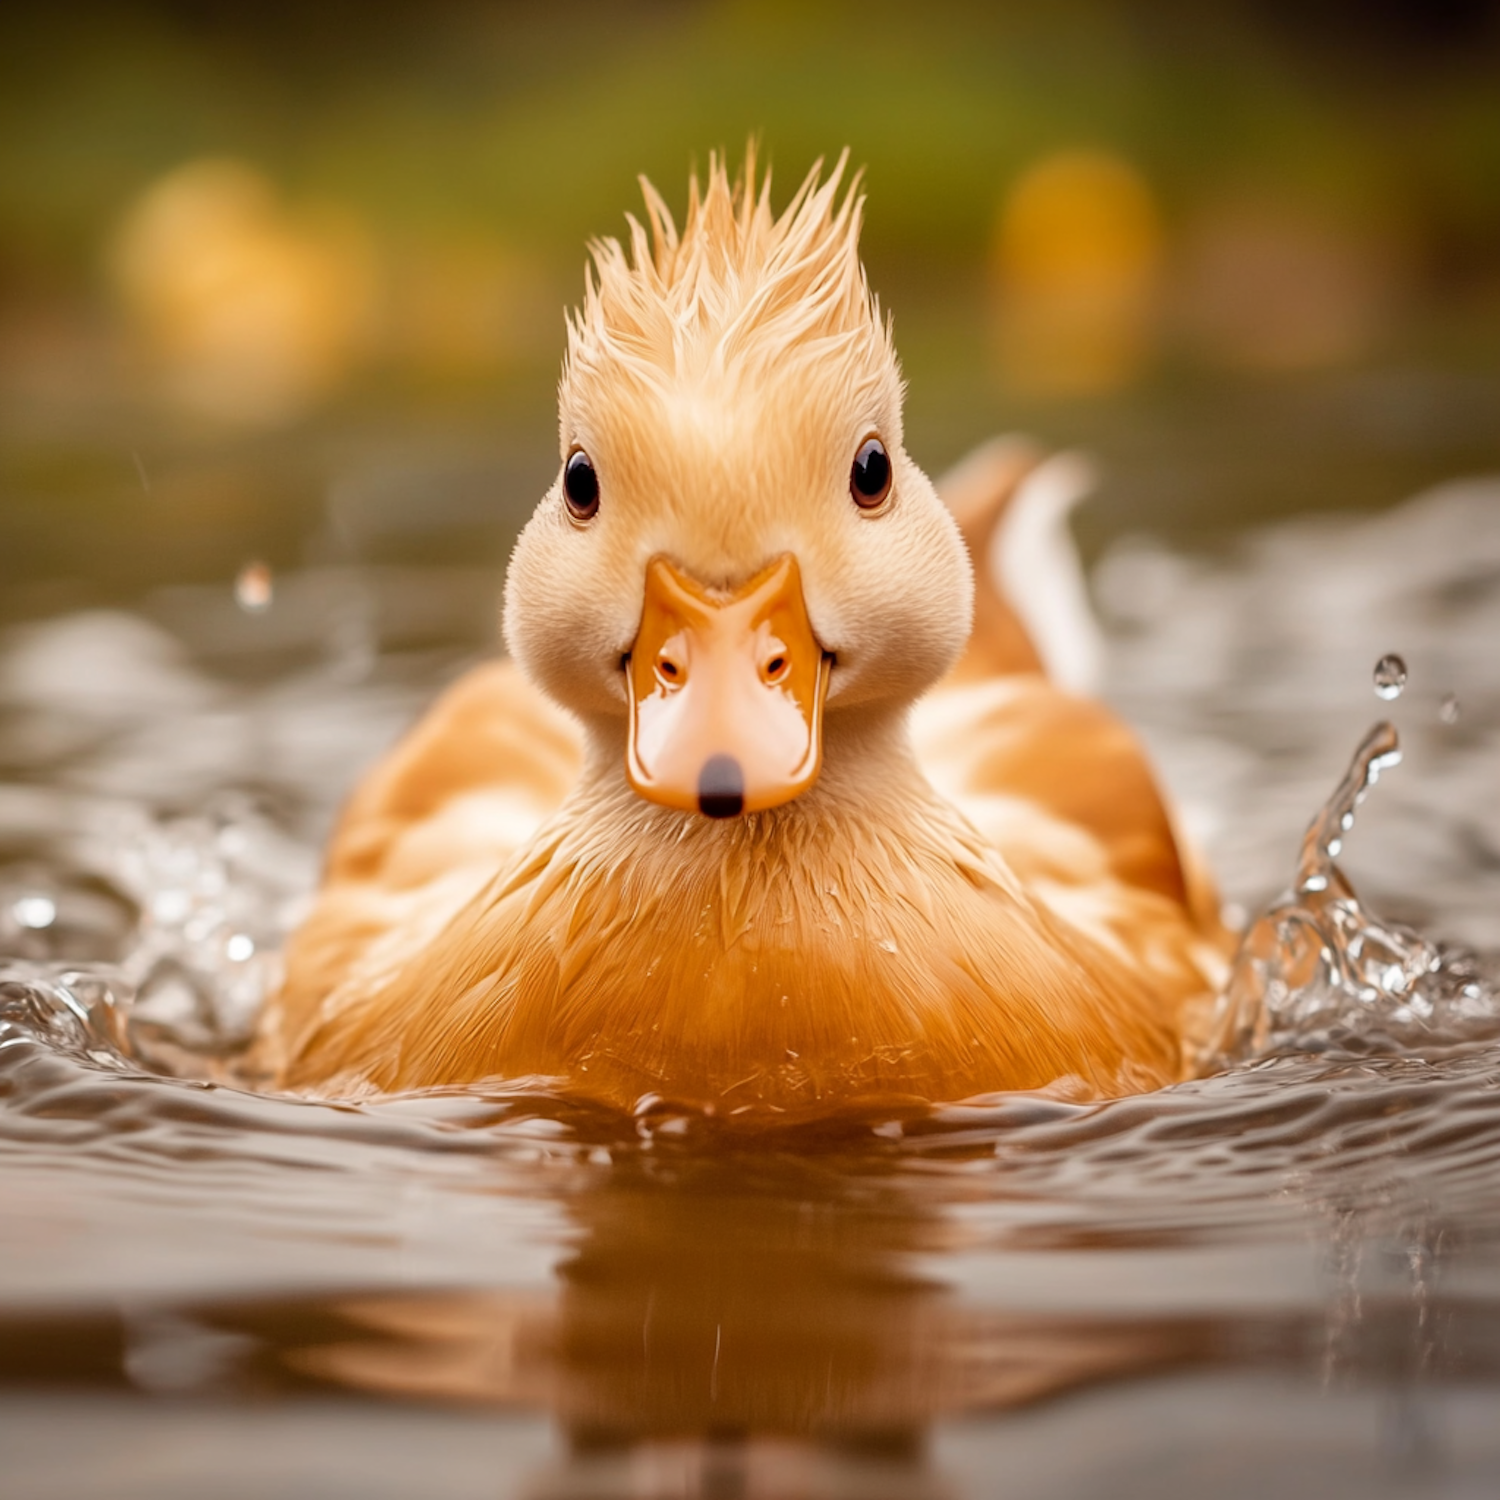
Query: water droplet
239, 947
1390, 676
1449, 709
35, 912
254, 588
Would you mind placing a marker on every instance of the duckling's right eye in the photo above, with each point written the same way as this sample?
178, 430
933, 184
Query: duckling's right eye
870, 478
580, 485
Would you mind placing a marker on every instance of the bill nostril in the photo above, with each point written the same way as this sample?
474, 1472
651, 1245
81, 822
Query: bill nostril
721, 787
669, 670
775, 669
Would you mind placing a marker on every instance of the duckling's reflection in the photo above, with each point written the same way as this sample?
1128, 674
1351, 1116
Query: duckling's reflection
724, 1298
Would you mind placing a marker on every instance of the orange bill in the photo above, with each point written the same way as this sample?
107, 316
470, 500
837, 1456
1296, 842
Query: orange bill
726, 692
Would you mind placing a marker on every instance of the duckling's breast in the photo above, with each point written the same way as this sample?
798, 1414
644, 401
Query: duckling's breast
775, 963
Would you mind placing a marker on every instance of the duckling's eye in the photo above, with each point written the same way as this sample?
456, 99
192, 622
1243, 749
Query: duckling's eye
580, 485
870, 478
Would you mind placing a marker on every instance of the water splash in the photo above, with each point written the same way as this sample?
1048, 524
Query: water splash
173, 973
1390, 676
1450, 709
1319, 971
78, 1013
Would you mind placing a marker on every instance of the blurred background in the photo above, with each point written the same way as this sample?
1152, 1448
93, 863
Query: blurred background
282, 285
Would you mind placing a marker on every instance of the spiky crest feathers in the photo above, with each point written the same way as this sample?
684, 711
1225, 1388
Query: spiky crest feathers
739, 291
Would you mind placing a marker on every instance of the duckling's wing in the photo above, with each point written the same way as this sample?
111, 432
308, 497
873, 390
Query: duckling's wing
1063, 790
1014, 748
1056, 780
473, 779
434, 820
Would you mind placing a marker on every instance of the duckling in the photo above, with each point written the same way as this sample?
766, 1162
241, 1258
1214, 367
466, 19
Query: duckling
692, 840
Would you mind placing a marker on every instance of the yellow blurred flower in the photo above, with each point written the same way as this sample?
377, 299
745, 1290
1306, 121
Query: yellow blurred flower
1077, 260
248, 310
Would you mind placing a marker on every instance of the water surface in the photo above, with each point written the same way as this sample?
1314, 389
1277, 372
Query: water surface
1282, 1278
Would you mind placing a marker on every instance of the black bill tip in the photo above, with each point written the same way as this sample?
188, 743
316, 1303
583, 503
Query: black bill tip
721, 787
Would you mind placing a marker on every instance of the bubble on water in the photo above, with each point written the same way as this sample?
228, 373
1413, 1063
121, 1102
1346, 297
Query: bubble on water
254, 588
1390, 676
239, 948
1449, 709
35, 912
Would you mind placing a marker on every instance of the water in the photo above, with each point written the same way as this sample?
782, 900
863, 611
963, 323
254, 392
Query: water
1283, 1277
1390, 677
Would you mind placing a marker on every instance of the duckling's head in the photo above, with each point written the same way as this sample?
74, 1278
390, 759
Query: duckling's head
737, 541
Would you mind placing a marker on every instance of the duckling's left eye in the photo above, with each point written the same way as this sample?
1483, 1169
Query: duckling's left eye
581, 485
870, 478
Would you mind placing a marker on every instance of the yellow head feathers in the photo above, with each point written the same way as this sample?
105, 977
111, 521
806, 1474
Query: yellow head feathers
738, 292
